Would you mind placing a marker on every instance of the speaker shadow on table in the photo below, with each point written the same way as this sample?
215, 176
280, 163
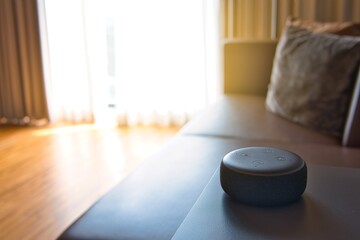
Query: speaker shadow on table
305, 217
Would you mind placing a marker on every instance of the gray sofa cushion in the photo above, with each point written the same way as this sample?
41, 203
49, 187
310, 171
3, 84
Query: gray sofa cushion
245, 117
153, 201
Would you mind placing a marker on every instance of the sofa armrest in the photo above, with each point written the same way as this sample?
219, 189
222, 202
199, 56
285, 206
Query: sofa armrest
351, 136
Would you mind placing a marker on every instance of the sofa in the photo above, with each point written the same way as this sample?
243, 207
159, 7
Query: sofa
175, 193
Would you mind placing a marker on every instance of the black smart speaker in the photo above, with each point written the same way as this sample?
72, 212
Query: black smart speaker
263, 176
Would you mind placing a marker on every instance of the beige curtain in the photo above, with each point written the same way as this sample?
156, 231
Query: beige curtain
264, 19
22, 91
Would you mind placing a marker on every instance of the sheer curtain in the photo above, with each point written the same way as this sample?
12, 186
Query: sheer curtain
130, 62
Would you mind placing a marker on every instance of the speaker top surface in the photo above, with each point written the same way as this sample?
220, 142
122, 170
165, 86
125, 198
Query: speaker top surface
263, 161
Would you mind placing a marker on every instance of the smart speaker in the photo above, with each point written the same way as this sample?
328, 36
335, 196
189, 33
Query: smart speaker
263, 176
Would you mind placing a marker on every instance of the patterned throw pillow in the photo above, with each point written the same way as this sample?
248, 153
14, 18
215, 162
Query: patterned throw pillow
338, 28
313, 77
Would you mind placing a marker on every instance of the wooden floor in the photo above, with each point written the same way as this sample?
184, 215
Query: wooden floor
50, 176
